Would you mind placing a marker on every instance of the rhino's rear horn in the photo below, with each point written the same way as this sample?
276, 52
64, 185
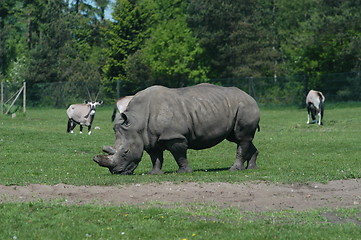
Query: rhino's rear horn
109, 149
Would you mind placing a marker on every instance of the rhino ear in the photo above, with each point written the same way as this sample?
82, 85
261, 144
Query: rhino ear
124, 119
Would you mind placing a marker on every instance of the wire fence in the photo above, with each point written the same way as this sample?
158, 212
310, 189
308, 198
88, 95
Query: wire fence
281, 90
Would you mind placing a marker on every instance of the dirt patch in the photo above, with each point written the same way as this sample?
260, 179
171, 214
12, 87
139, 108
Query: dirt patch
260, 196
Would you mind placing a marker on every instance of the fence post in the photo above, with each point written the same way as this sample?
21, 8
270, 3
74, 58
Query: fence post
118, 89
24, 97
251, 90
2, 98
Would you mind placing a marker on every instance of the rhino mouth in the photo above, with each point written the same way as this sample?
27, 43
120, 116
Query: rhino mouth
104, 161
128, 170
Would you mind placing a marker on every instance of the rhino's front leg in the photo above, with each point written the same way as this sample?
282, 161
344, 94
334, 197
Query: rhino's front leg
178, 148
157, 161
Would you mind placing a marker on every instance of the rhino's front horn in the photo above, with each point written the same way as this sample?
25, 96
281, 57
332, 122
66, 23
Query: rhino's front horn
103, 161
109, 149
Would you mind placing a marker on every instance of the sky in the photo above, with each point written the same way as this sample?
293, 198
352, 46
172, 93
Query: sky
108, 11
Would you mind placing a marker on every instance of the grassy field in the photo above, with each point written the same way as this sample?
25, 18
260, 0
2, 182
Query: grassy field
54, 221
35, 148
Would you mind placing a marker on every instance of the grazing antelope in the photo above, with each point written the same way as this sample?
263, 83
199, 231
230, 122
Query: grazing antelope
315, 105
82, 114
120, 106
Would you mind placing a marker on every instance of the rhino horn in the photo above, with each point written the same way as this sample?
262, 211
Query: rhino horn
109, 149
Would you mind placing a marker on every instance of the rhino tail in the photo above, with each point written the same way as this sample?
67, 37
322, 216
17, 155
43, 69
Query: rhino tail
258, 128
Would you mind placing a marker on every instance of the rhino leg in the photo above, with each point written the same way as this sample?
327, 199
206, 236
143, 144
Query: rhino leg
157, 161
178, 148
252, 154
246, 152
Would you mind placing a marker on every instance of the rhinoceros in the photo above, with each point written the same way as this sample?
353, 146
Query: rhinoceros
196, 117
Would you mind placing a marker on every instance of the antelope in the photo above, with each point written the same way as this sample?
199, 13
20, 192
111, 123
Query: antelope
315, 105
82, 114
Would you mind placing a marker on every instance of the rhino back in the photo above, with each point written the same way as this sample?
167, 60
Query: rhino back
204, 114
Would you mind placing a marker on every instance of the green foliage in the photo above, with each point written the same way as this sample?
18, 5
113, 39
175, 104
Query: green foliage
12, 110
324, 39
126, 34
172, 52
237, 39
177, 43
168, 56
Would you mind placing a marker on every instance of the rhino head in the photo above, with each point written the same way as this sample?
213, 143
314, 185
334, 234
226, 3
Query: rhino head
128, 151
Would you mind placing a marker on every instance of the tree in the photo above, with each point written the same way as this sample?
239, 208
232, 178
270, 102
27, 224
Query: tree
102, 5
11, 27
125, 36
172, 51
46, 56
236, 42
324, 38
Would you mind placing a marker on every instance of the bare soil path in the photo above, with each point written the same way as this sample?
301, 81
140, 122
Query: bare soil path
249, 196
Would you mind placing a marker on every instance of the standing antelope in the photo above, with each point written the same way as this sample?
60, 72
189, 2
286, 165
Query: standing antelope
314, 103
82, 114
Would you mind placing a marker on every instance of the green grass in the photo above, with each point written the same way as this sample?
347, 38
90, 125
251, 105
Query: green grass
36, 149
54, 221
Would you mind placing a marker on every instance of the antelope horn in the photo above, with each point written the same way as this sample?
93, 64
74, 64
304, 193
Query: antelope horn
90, 97
97, 96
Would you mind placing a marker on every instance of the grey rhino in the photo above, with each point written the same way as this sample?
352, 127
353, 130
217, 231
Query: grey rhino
196, 117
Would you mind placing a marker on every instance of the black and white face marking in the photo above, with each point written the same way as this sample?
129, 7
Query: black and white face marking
93, 105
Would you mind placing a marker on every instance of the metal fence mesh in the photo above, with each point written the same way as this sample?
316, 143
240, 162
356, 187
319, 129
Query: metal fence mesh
281, 90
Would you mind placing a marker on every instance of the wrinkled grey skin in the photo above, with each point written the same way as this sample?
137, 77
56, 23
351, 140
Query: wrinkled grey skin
197, 117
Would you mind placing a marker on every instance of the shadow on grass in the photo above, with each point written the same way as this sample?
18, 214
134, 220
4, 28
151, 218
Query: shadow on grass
202, 170
211, 170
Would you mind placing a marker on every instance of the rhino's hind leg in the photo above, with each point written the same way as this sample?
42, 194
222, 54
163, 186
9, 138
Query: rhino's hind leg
246, 152
157, 161
252, 153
